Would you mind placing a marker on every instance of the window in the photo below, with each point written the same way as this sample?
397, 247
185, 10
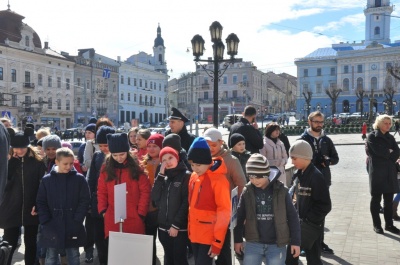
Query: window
78, 82
13, 75
360, 83
67, 104
1, 73
40, 79
129, 96
234, 79
205, 95
359, 68
140, 82
145, 83
333, 72
134, 82
205, 80
159, 86
87, 84
134, 97
305, 87
122, 96
244, 78
78, 102
346, 69
319, 88
58, 82
378, 3
319, 71
67, 83
374, 83
129, 81
27, 77
151, 85
58, 104
234, 93
377, 31
346, 84
305, 72
27, 41
122, 79
49, 81
13, 100
50, 103
388, 65
225, 80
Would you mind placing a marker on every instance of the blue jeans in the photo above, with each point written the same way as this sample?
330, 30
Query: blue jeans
254, 254
72, 256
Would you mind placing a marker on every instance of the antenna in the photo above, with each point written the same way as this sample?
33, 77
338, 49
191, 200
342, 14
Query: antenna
8, 5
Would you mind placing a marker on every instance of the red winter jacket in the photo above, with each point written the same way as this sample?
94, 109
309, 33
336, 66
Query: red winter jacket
137, 201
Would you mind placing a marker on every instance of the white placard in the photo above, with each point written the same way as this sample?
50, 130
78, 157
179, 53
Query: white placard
119, 202
127, 248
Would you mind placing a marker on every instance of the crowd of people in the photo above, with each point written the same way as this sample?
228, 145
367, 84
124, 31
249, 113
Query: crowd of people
178, 190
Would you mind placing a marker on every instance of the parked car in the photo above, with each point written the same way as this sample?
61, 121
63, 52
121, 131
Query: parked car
145, 125
70, 133
344, 115
75, 146
356, 114
162, 124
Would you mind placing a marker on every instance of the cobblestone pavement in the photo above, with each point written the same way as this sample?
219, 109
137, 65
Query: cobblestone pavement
348, 227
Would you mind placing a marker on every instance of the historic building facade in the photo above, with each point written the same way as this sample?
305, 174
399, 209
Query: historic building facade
142, 85
36, 83
353, 77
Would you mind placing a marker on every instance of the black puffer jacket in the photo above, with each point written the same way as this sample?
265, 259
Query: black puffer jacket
243, 157
170, 195
24, 176
92, 178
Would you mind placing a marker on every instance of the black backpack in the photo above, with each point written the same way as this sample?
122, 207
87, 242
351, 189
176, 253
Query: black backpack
5, 250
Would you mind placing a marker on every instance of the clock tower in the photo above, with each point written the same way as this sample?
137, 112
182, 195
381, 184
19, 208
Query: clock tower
377, 21
159, 52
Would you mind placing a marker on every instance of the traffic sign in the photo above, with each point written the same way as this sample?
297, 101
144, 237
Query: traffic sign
6, 114
106, 73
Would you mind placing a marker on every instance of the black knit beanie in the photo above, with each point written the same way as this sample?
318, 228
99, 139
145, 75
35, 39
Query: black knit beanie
101, 135
172, 140
235, 138
118, 142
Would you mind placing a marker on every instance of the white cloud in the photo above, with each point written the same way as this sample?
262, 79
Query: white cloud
354, 20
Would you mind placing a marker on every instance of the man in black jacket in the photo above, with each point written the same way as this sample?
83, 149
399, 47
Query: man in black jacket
324, 153
247, 126
177, 123
313, 201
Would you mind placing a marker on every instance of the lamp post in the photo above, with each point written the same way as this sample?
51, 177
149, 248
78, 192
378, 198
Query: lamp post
325, 109
232, 43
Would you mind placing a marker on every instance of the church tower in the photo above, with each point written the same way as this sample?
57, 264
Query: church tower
159, 52
377, 21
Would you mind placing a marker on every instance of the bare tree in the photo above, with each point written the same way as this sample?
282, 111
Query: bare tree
389, 92
333, 93
361, 93
307, 96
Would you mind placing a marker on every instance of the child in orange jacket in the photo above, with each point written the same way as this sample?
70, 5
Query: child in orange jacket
209, 203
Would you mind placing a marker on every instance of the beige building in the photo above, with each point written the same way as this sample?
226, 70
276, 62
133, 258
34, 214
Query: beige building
35, 82
240, 85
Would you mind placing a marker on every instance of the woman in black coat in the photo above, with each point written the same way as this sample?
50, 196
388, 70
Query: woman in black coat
25, 170
383, 152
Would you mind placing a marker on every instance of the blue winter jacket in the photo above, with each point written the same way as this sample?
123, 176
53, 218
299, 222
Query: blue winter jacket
62, 203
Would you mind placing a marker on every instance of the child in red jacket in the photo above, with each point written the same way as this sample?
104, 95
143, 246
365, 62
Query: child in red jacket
209, 203
121, 167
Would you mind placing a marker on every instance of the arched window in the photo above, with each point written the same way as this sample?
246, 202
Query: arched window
378, 3
377, 31
27, 41
160, 58
374, 83
360, 83
346, 84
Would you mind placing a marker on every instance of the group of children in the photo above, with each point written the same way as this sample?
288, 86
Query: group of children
163, 197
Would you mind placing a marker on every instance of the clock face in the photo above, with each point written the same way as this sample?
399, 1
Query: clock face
374, 66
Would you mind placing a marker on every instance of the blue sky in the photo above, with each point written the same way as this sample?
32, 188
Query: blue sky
272, 33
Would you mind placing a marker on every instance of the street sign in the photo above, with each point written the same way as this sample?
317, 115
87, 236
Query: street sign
6, 114
106, 73
29, 118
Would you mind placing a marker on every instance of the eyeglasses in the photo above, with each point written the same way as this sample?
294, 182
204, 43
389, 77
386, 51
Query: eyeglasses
318, 122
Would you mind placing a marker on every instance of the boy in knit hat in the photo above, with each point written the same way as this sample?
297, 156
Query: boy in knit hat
238, 150
312, 199
209, 203
266, 211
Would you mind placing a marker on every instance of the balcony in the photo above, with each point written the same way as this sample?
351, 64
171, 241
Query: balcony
146, 103
102, 93
101, 111
205, 86
33, 110
29, 85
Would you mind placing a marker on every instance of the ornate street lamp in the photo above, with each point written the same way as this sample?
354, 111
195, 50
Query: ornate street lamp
232, 43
